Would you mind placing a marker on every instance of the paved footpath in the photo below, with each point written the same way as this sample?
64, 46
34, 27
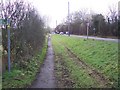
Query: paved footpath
46, 78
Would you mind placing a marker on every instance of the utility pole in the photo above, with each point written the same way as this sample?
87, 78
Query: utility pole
68, 18
87, 29
56, 23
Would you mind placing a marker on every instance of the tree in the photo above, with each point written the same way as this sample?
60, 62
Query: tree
27, 31
99, 24
113, 20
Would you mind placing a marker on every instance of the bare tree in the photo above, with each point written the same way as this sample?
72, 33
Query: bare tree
113, 12
27, 31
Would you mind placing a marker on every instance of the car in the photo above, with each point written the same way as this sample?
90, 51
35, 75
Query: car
61, 33
67, 33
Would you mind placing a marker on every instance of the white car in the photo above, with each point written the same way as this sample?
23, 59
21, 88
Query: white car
61, 33
67, 33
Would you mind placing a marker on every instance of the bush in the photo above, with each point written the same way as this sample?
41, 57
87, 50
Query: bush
27, 32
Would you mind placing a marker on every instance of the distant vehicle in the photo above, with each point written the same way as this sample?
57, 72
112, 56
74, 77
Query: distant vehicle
57, 32
67, 33
61, 33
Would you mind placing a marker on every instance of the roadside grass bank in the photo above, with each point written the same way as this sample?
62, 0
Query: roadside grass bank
67, 72
0, 81
22, 78
0, 69
111, 37
100, 55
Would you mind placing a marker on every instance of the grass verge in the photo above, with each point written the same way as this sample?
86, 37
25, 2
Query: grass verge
0, 82
0, 68
100, 55
68, 74
18, 78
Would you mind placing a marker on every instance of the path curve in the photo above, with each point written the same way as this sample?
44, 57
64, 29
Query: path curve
46, 78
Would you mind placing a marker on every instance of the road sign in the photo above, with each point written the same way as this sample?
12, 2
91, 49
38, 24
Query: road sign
3, 21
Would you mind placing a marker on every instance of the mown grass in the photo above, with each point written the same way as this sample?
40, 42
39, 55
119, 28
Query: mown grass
0, 82
0, 61
77, 74
0, 78
18, 78
101, 55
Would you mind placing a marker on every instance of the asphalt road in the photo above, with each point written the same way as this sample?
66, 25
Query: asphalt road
98, 38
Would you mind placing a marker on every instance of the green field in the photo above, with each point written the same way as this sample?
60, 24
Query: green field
101, 56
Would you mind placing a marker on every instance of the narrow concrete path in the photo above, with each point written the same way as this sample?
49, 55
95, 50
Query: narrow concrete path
46, 77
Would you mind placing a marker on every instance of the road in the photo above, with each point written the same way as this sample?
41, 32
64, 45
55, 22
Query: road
98, 38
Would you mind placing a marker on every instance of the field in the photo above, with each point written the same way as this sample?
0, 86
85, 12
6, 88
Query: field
85, 63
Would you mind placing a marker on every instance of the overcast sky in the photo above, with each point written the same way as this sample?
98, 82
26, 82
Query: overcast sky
58, 9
